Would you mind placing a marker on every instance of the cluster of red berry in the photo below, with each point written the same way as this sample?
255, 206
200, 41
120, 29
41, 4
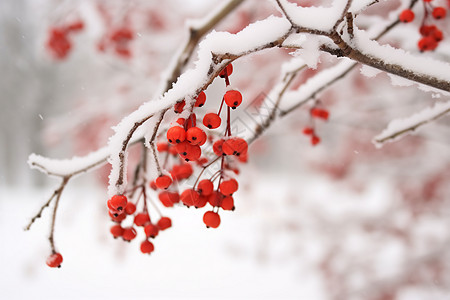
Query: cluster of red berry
184, 147
58, 42
315, 113
185, 139
119, 40
120, 208
431, 34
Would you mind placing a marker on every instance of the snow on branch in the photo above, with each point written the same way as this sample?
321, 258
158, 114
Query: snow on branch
400, 127
214, 53
315, 17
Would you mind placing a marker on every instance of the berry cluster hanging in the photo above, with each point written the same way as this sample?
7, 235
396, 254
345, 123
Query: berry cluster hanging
431, 35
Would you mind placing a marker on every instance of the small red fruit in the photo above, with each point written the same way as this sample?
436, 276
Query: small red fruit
211, 219
168, 198
130, 208
315, 140
141, 219
196, 136
201, 99
163, 182
147, 247
212, 120
439, 12
189, 152
178, 107
129, 234
235, 146
205, 187
54, 260
164, 223
117, 202
227, 203
162, 147
308, 131
189, 197
228, 70
228, 187
116, 231
233, 98
427, 43
176, 135
217, 147
151, 230
406, 16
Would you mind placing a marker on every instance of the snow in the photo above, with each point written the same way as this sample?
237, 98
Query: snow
312, 85
316, 18
309, 50
390, 55
412, 122
369, 71
190, 82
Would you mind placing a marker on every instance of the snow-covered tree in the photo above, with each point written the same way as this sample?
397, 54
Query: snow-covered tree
194, 99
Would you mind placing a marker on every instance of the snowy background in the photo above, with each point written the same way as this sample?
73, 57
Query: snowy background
341, 220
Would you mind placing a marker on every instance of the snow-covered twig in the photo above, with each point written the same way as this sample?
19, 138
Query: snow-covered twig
400, 127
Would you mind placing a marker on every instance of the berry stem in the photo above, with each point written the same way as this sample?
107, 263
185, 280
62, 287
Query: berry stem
55, 209
203, 170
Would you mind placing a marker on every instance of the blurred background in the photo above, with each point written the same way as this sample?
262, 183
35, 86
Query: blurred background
339, 220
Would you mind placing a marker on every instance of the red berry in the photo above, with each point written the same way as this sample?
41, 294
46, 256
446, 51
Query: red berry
439, 12
319, 113
151, 230
308, 131
162, 147
189, 152
147, 247
130, 208
116, 230
189, 197
233, 98
117, 217
54, 260
183, 171
212, 120
426, 30
129, 234
437, 35
228, 187
196, 136
218, 147
181, 121
228, 70
117, 202
76, 26
406, 16
152, 185
164, 223
176, 135
178, 107
141, 219
215, 199
201, 99
205, 187
202, 200
315, 140
163, 182
427, 43
235, 146
211, 219
191, 121
168, 198
227, 203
